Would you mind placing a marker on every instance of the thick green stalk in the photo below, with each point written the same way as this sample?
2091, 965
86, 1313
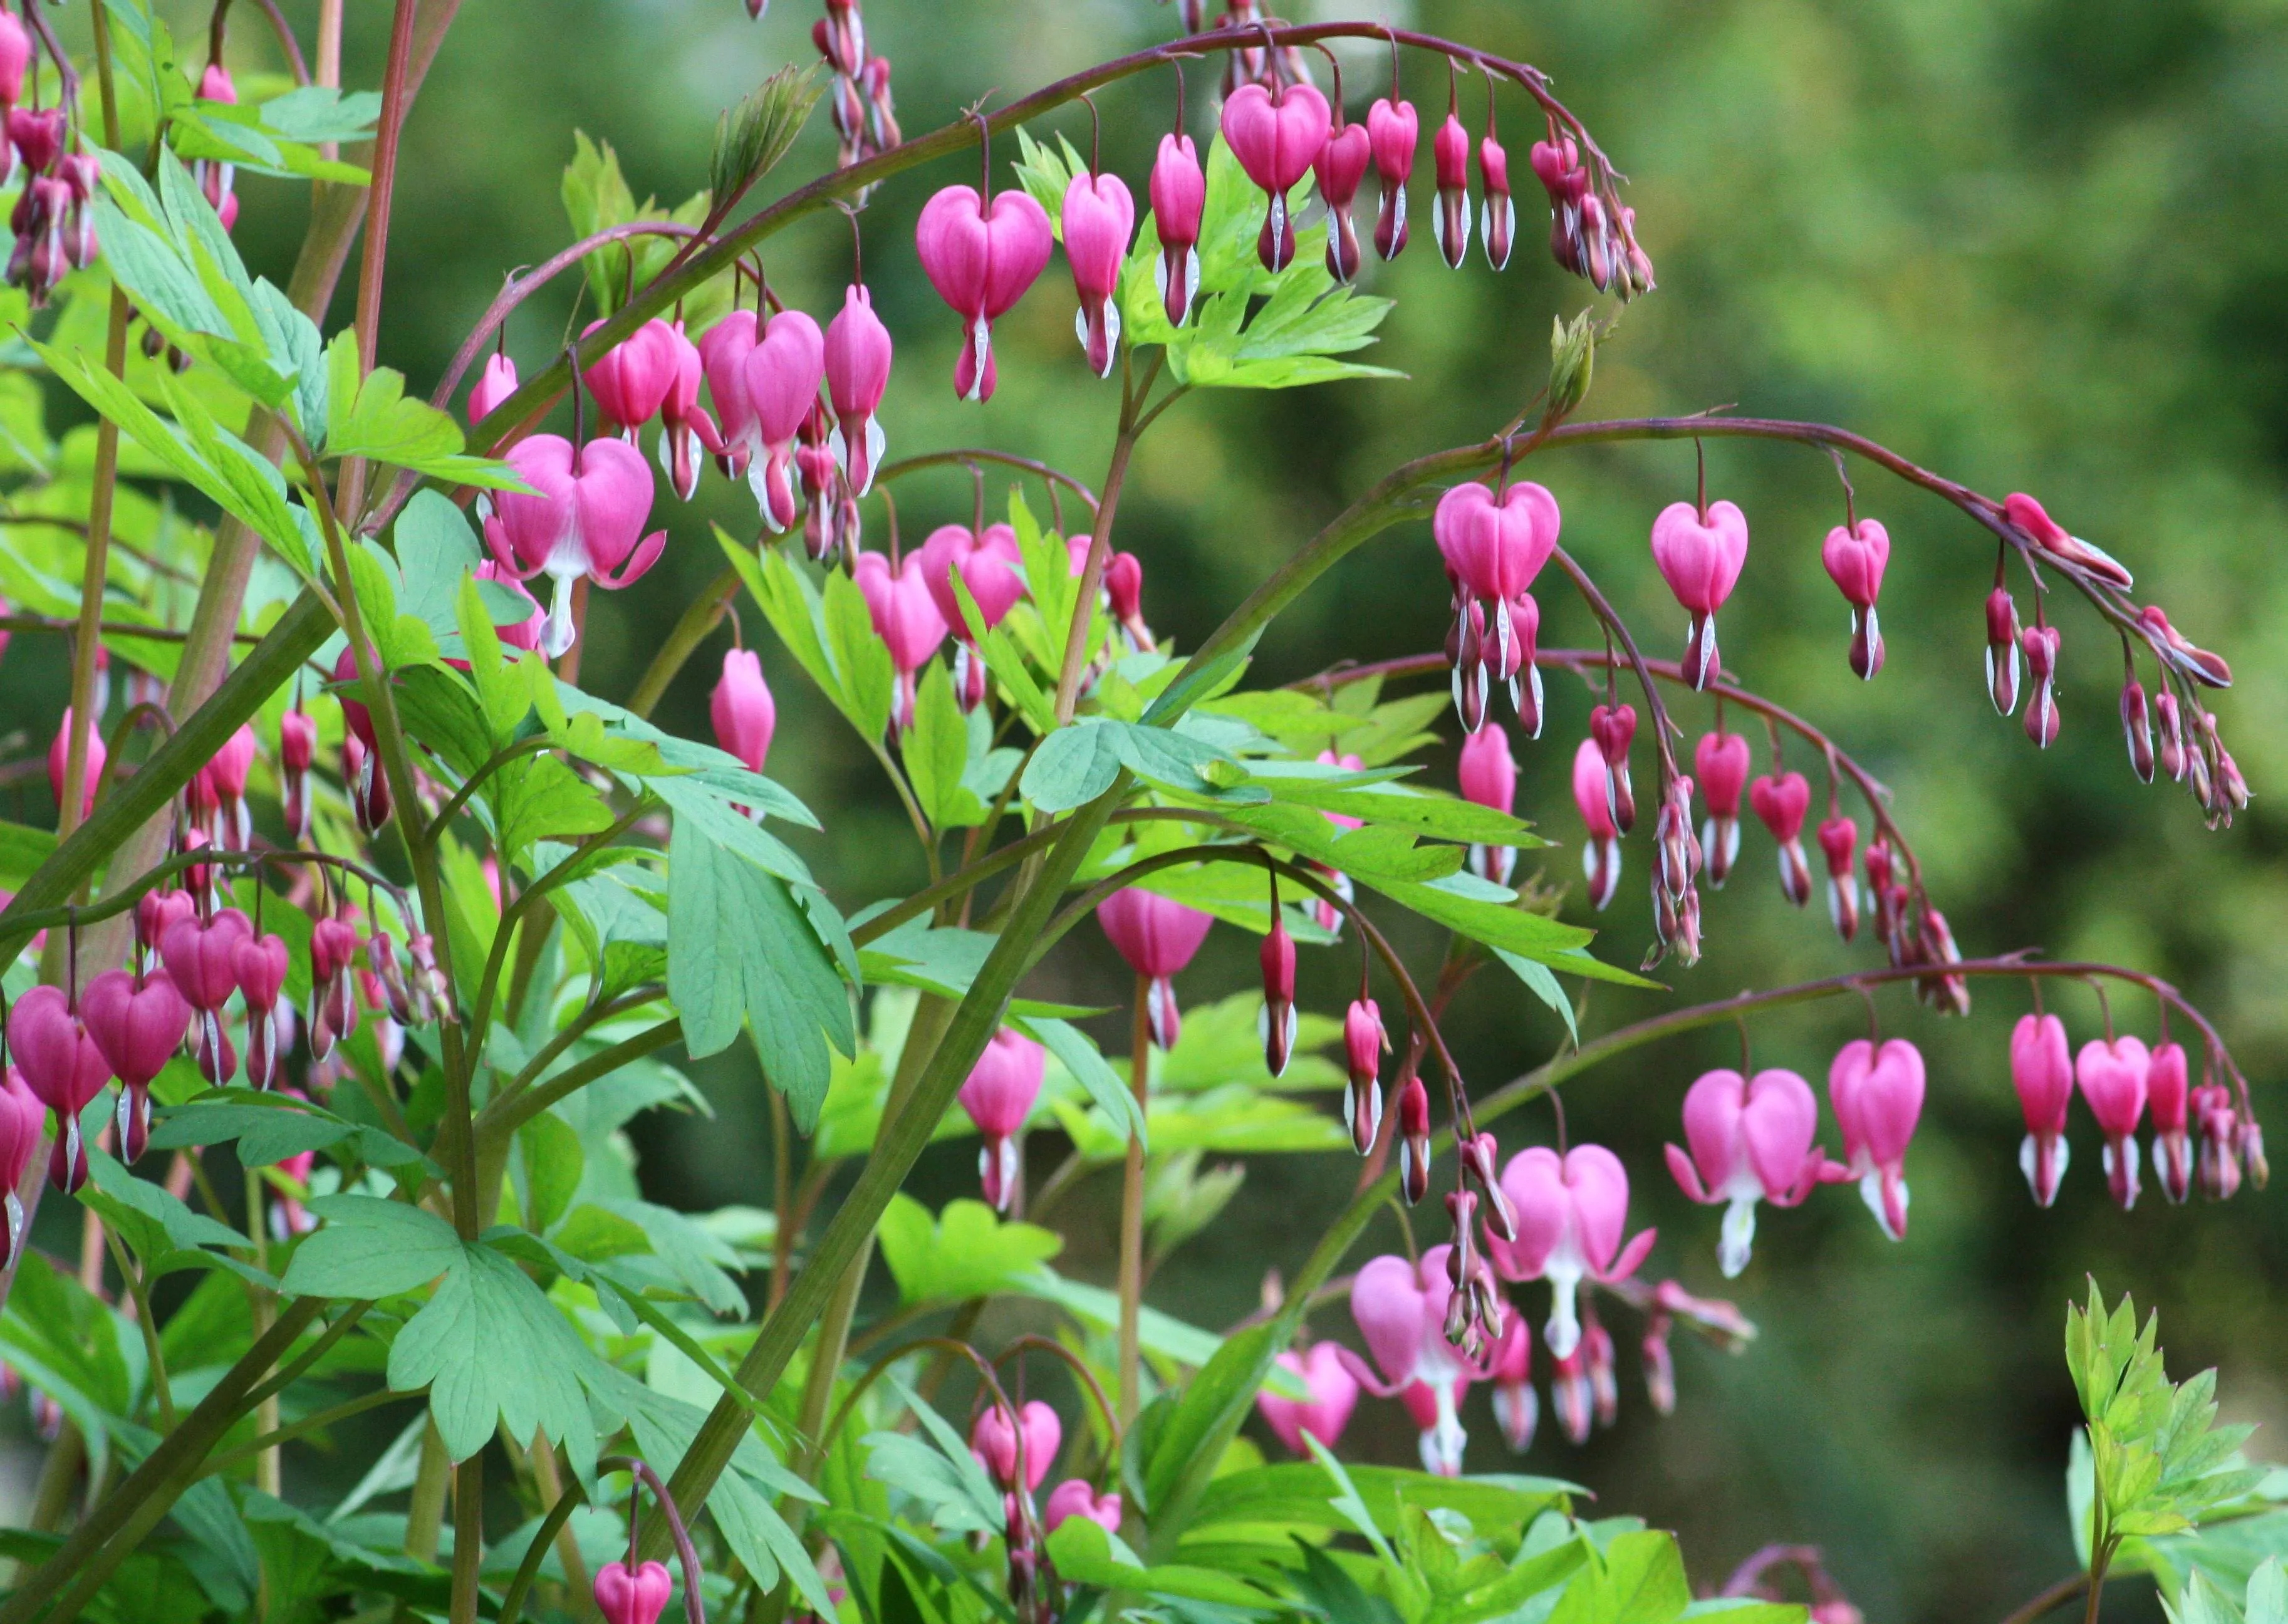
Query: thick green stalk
896, 1151
1132, 1216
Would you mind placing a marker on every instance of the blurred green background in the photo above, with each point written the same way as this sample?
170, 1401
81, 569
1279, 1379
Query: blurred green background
2034, 244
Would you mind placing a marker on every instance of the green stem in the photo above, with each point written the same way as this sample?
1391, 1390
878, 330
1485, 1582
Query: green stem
560, 1514
135, 1290
1132, 1215
700, 617
502, 1117
470, 785
1100, 545
308, 1424
425, 1512
899, 1145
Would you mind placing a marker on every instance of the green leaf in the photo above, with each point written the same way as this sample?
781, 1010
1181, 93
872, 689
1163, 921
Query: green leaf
371, 418
739, 948
1073, 766
1084, 1554
750, 139
1082, 1058
1638, 1578
551, 1164
968, 1251
536, 798
1542, 985
935, 752
1162, 1335
1224, 1389
494, 1353
270, 1127
862, 659
164, 1233
367, 1249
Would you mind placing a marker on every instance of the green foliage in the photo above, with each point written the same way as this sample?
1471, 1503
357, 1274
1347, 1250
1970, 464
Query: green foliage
597, 197
750, 139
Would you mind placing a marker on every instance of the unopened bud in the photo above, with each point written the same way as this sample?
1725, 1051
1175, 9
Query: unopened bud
1414, 1140
1572, 363
2002, 651
2137, 729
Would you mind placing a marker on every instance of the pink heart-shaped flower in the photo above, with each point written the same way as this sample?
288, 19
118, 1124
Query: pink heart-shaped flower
60, 1060
1700, 562
2112, 1077
1334, 1394
1721, 763
1496, 546
1781, 804
258, 965
1391, 1308
905, 615
1277, 140
991, 566
138, 1024
633, 1598
1856, 560
198, 955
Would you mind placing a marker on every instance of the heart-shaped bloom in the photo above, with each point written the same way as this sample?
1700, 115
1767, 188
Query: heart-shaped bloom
200, 957
20, 1122
1839, 842
64, 1068
1613, 729
1601, 853
1494, 547
685, 428
1781, 804
1098, 218
1393, 129
2041, 1070
1074, 1497
745, 713
1751, 1141
2002, 651
1570, 1211
637, 1598
298, 745
991, 566
1340, 167
1449, 156
137, 1022
1158, 937
1180, 195
997, 1442
2112, 1076
1700, 557
980, 258
1334, 1394
1557, 165
1877, 1096
631, 380
858, 354
1489, 777
998, 1096
1854, 560
259, 966
905, 619
1400, 1308
587, 520
1276, 134
15, 58
1719, 767
723, 351
2168, 1097
226, 774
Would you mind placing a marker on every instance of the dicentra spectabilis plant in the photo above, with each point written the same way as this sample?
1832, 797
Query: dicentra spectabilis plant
362, 936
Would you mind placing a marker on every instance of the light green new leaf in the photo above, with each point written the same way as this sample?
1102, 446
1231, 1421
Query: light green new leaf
371, 418
968, 1251
862, 659
935, 752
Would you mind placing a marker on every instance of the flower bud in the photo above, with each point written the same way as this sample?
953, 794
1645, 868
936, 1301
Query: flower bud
1278, 1022
1572, 363
1179, 191
1497, 217
1678, 851
1720, 761
1364, 1043
2040, 645
2168, 1098
1450, 152
1391, 130
2137, 729
2170, 758
2002, 651
1614, 727
1414, 1140
1341, 165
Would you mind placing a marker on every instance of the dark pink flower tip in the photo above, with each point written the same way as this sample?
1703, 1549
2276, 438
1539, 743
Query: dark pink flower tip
745, 713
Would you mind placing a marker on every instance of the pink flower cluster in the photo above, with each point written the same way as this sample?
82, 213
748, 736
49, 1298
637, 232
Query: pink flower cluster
2120, 1080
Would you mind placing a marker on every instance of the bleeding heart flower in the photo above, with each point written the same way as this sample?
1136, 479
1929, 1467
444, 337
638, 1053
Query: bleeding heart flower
2168, 1097
227, 774
2040, 645
777, 390
200, 956
980, 258
2002, 651
637, 1598
20, 1122
1854, 560
1276, 134
1392, 128
1277, 1023
65, 1069
1498, 219
1489, 777
1601, 853
1838, 842
1074, 1498
996, 1443
1570, 1214
1158, 937
1179, 196
905, 618
1494, 547
1613, 729
587, 520
260, 965
1401, 1310
1364, 1044
494, 385
1751, 1141
297, 744
1557, 165
991, 566
998, 1096
1098, 218
2028, 516
1700, 556
138, 1023
858, 354
631, 380
2041, 1070
1781, 804
685, 426
742, 710
1341, 168
1720, 766
2112, 1077
2137, 727
1334, 1394
1449, 154
1877, 1096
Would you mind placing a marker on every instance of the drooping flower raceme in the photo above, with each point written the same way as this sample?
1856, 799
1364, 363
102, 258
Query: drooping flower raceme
998, 1096
1571, 1213
1334, 1394
905, 619
1157, 937
1877, 1096
587, 520
1699, 555
2041, 1071
1751, 1141
980, 258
